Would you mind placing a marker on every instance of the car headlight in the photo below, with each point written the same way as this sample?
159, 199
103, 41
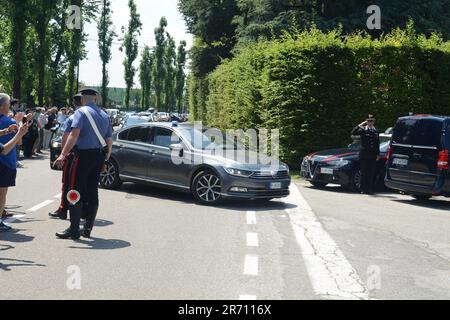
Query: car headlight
56, 145
338, 163
238, 172
285, 167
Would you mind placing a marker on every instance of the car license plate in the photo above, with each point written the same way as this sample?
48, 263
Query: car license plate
327, 171
275, 186
400, 162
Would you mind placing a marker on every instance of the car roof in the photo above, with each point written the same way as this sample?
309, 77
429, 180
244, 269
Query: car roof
425, 116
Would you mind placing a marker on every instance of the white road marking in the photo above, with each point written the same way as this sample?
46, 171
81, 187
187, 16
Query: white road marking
247, 297
251, 217
252, 240
58, 196
41, 205
332, 276
251, 265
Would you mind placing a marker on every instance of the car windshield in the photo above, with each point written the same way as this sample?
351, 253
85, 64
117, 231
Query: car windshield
384, 143
209, 139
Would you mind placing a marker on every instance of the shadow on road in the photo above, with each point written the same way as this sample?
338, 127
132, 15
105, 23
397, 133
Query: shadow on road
15, 237
103, 223
102, 244
256, 205
17, 263
337, 189
442, 205
142, 190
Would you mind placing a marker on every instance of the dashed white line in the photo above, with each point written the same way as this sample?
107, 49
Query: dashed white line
251, 265
40, 206
331, 275
252, 239
247, 297
251, 218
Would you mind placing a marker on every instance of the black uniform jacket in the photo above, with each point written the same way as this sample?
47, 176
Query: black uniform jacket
370, 141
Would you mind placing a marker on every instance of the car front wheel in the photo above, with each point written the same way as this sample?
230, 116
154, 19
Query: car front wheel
110, 178
356, 180
207, 188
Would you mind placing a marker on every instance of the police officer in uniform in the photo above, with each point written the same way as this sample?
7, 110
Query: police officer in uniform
61, 213
369, 154
92, 145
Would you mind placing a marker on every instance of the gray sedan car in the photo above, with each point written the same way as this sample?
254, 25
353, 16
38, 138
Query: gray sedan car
178, 156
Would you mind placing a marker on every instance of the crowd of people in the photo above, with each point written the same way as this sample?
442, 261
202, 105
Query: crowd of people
86, 147
24, 132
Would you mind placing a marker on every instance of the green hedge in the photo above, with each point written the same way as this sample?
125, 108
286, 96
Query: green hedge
315, 87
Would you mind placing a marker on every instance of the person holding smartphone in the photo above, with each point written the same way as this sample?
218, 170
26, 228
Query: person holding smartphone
8, 159
30, 138
369, 153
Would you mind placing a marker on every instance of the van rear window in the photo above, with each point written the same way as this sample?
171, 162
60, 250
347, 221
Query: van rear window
419, 132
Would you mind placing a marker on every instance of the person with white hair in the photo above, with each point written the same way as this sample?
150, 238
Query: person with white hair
8, 158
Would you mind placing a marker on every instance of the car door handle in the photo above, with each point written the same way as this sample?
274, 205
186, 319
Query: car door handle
153, 152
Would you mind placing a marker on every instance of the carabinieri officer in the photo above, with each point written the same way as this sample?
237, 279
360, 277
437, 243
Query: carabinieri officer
61, 213
369, 154
91, 140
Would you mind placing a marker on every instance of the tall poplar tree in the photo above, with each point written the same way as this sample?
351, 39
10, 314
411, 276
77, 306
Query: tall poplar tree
106, 36
130, 44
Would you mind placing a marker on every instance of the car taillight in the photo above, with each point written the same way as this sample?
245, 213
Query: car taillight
388, 157
443, 160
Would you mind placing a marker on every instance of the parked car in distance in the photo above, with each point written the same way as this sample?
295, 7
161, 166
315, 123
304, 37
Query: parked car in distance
342, 166
56, 145
114, 116
144, 154
162, 117
137, 119
418, 159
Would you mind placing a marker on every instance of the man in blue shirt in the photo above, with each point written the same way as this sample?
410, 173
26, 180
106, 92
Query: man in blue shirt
61, 213
92, 144
8, 159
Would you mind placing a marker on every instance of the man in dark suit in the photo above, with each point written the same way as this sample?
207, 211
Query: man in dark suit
369, 154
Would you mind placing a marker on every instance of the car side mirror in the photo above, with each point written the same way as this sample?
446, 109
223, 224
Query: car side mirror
177, 149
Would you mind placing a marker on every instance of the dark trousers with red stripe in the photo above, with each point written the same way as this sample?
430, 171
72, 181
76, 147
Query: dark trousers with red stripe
84, 178
64, 206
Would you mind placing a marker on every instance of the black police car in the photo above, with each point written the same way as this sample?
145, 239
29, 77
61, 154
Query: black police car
342, 166
418, 159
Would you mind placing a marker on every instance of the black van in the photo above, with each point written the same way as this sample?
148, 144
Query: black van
418, 158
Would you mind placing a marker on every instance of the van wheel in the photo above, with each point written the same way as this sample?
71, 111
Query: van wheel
356, 180
421, 197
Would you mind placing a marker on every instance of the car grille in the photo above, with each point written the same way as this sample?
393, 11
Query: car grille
309, 169
284, 174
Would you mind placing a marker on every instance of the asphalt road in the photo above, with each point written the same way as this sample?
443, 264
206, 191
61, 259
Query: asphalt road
157, 244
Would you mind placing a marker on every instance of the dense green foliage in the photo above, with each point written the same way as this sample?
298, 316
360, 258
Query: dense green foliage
315, 86
106, 36
40, 55
222, 27
131, 47
145, 77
